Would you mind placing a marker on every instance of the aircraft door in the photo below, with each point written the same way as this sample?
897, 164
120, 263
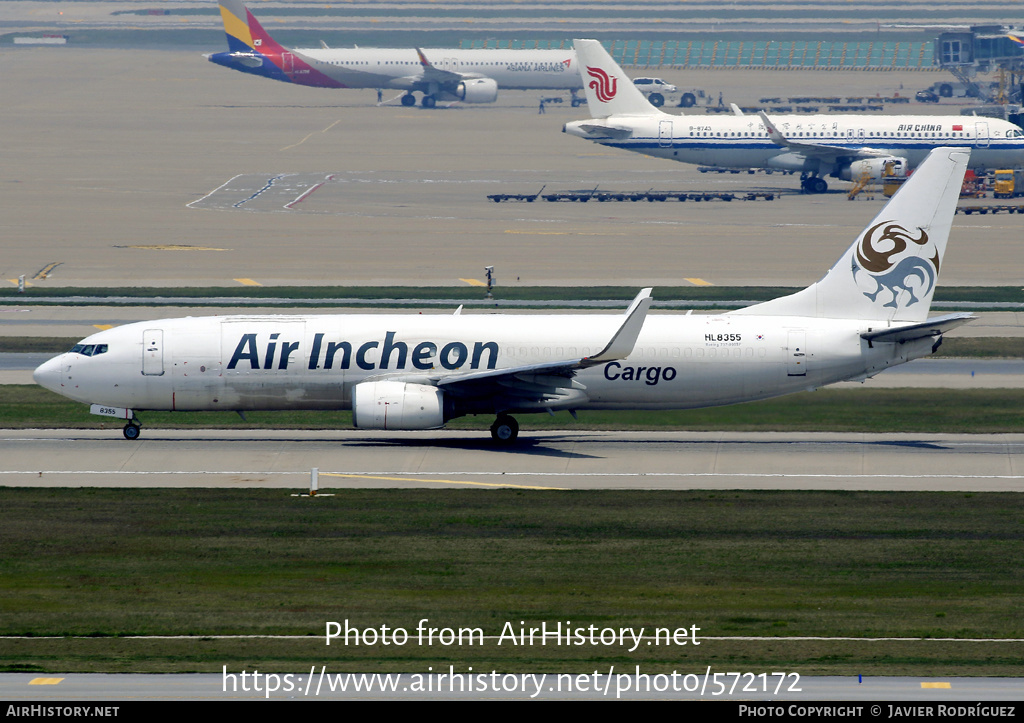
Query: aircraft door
153, 353
287, 63
796, 359
665, 133
981, 135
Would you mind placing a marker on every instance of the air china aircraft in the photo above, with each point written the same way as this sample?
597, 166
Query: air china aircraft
470, 76
849, 147
868, 313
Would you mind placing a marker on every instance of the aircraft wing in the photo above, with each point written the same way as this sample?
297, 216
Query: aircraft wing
931, 327
817, 150
432, 74
547, 384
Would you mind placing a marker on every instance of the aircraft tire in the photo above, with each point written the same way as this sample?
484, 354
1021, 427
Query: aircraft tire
688, 100
818, 185
656, 99
408, 100
505, 429
132, 431
428, 101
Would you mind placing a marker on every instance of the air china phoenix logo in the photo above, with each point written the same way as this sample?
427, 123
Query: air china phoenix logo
887, 264
603, 85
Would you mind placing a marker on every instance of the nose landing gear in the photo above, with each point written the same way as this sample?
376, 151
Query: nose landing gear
133, 429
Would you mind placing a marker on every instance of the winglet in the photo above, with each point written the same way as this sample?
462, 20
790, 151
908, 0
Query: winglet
773, 132
423, 58
622, 342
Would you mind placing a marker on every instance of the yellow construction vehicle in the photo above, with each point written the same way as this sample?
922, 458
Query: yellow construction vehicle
1008, 183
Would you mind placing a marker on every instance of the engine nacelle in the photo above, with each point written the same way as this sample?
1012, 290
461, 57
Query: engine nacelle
876, 169
477, 90
397, 405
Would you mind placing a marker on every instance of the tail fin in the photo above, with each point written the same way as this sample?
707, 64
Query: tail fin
890, 271
609, 90
239, 26
252, 50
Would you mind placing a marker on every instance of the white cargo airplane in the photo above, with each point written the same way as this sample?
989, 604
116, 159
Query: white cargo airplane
418, 371
849, 147
470, 76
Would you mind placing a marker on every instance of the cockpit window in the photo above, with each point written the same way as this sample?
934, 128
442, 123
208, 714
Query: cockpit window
89, 349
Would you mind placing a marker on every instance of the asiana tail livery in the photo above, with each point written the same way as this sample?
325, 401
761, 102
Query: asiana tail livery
445, 74
417, 371
848, 147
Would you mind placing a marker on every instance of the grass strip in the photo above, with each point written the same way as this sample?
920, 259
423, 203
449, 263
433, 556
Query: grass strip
929, 411
201, 562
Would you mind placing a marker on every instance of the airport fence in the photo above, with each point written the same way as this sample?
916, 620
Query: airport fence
782, 54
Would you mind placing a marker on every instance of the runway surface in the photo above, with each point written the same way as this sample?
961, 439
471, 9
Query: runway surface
543, 460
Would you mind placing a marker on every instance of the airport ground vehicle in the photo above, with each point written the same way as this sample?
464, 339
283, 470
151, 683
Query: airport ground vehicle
1008, 183
655, 89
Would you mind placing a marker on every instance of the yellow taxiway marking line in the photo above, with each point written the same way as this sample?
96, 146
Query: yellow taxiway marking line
15, 282
311, 135
473, 282
45, 681
44, 272
438, 481
172, 247
700, 282
936, 685
248, 282
560, 233
103, 327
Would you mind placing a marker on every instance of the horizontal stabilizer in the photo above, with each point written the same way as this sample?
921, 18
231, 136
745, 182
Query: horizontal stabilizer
931, 327
597, 129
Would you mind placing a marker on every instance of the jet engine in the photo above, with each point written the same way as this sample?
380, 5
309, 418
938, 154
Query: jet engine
876, 169
477, 90
397, 405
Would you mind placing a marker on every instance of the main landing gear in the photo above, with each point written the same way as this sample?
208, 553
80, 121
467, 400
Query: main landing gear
505, 429
813, 184
428, 101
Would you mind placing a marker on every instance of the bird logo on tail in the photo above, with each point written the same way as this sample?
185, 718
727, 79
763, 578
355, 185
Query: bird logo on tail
603, 85
882, 255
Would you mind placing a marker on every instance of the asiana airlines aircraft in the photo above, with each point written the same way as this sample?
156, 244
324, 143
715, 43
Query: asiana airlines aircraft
417, 371
446, 74
848, 147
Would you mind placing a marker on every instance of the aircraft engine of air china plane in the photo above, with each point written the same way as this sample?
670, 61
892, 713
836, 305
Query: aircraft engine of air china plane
417, 371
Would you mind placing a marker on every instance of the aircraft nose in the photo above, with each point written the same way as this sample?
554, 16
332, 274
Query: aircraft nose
48, 374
